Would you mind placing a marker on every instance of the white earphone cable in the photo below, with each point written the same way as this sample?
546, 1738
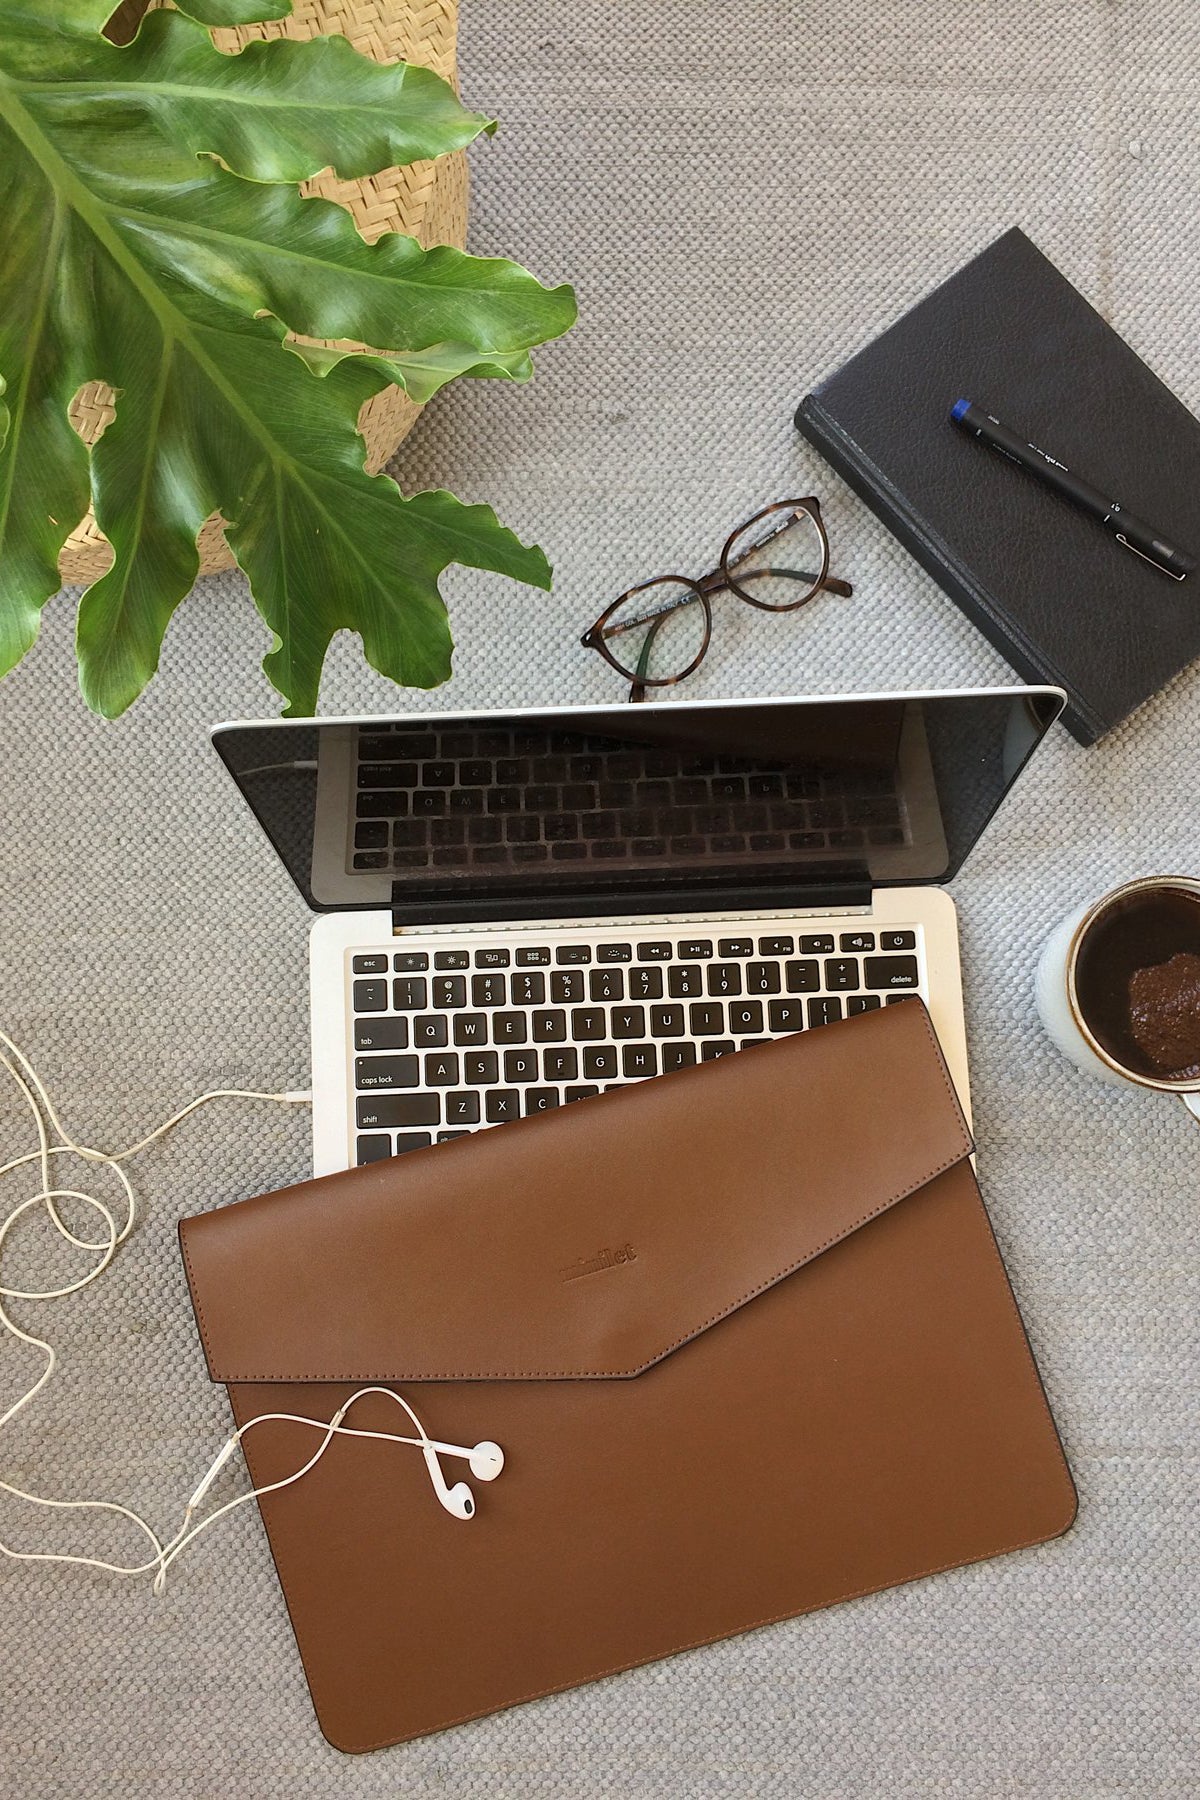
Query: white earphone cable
486, 1459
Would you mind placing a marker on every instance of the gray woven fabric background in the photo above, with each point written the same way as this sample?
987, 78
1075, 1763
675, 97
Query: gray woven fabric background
743, 195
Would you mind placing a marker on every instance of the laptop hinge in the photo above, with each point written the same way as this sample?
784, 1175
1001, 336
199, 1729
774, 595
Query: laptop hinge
486, 905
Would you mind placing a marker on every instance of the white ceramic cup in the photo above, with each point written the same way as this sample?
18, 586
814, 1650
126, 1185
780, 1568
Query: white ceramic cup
1058, 1003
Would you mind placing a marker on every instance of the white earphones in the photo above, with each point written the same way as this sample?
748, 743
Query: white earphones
485, 1460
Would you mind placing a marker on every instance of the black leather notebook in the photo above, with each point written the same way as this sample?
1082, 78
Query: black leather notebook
1048, 585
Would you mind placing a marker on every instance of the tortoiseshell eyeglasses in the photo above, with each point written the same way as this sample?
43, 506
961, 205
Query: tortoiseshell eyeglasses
658, 633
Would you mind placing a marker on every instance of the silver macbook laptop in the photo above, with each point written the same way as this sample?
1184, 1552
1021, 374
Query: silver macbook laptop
521, 909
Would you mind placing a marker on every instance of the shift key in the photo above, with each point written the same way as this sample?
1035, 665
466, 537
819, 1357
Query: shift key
386, 1111
890, 971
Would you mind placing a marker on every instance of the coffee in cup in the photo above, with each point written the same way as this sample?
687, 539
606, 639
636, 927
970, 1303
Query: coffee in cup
1118, 986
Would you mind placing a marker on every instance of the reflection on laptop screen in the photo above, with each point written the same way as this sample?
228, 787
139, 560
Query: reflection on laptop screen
591, 803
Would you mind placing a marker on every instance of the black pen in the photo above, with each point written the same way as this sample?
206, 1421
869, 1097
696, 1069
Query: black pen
1132, 532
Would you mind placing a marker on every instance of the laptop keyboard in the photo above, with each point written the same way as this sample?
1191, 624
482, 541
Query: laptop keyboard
451, 1037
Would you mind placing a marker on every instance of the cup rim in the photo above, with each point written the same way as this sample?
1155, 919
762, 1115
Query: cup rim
1139, 884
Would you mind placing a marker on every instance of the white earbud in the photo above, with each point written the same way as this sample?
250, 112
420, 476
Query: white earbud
486, 1460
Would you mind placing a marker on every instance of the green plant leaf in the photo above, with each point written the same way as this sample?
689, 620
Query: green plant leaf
278, 110
131, 256
234, 12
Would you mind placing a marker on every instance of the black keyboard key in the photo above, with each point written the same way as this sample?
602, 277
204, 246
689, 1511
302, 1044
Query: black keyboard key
476, 774
504, 800
521, 1065
654, 952
372, 834
427, 803
379, 747
573, 953
442, 1071
381, 1034
736, 947
580, 1093
533, 956
491, 959
706, 1019
725, 979
825, 1010
500, 1104
841, 973
818, 944
549, 1027
372, 1149
510, 1028
540, 1099
488, 990
891, 971
385, 1072
370, 996
861, 1003
857, 940
639, 1059
471, 1028
645, 984
483, 831
374, 964
568, 852
566, 987
388, 1111
373, 859
588, 1024
408, 962
897, 940
449, 990
684, 982
666, 1021
695, 949
629, 1021
430, 1032
600, 1062
481, 1066
412, 1140
540, 799
560, 1065
466, 800
717, 1047
529, 988
677, 1056
606, 984
745, 1015
763, 978
383, 805
802, 977
409, 992
448, 1137
776, 946
786, 1015
615, 953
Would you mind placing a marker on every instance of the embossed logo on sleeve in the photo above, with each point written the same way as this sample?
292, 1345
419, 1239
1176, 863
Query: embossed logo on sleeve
603, 1259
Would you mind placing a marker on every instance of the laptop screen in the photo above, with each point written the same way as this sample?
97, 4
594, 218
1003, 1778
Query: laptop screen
497, 814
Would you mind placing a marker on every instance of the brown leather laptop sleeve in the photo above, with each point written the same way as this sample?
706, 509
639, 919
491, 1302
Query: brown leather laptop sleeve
742, 1332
